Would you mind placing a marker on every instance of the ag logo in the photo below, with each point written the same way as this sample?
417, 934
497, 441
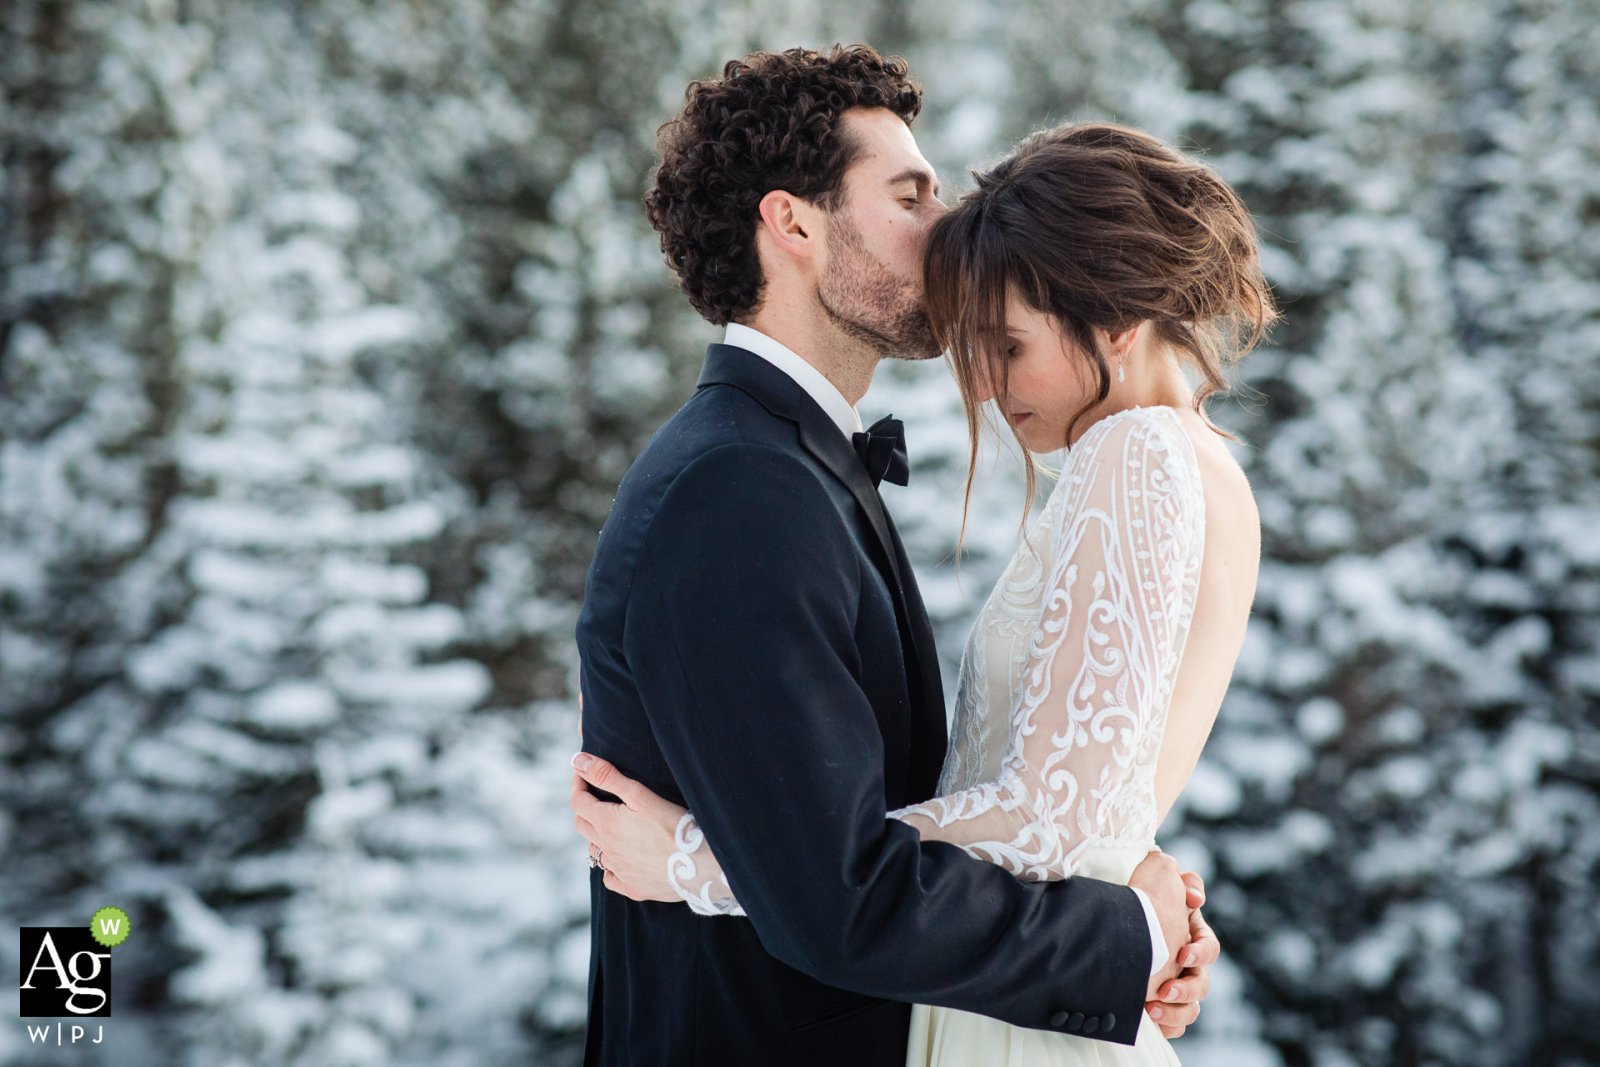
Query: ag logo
66, 970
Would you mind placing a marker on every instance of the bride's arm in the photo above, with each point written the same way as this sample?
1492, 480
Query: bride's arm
1126, 541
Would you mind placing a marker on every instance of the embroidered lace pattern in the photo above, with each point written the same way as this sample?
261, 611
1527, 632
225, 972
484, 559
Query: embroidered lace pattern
1080, 643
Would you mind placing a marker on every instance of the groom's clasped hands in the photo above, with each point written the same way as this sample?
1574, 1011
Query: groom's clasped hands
633, 841
1175, 993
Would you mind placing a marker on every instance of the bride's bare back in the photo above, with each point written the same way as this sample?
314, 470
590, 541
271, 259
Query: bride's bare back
1228, 570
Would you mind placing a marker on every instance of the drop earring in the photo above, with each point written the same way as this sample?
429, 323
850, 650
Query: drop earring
1120, 376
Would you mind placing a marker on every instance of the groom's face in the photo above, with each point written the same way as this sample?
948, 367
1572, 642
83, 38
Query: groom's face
870, 284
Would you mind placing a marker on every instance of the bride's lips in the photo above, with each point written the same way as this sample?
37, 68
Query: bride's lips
1019, 416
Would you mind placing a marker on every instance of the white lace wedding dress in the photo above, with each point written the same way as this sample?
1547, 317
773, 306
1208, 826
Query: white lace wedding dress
1060, 708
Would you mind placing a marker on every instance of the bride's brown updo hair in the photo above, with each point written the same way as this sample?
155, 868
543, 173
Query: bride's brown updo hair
1100, 226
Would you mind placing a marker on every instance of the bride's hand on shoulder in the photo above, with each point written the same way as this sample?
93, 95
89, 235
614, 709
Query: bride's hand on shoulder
634, 839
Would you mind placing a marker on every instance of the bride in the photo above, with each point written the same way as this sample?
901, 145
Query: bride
1074, 287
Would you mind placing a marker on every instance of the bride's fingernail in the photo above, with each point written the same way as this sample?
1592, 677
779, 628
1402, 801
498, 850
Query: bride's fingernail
1155, 1013
1188, 961
581, 761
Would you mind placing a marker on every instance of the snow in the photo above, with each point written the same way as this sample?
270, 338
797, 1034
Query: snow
292, 705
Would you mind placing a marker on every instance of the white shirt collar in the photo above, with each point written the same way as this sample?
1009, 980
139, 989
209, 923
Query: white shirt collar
809, 378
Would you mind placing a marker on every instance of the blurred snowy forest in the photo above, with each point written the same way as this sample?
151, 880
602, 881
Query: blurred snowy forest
327, 330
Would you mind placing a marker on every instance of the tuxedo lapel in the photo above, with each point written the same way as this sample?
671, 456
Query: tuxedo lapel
784, 397
930, 737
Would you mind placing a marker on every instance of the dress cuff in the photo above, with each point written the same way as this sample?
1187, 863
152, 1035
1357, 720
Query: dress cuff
703, 894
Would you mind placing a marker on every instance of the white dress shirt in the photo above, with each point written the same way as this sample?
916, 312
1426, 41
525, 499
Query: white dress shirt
809, 378
844, 415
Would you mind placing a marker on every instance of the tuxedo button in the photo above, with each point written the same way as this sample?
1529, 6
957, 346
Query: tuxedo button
1076, 1022
1091, 1024
1058, 1019
1108, 1022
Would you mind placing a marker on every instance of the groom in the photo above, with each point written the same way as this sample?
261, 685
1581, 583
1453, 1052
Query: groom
754, 646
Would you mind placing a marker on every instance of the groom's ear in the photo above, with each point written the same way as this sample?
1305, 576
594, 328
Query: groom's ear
792, 225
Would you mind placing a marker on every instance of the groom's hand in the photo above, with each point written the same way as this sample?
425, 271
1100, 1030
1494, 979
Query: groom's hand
1158, 877
1176, 1003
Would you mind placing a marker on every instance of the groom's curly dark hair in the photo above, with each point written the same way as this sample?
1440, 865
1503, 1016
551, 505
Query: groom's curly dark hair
770, 122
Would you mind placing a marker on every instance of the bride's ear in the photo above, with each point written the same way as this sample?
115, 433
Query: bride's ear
1118, 343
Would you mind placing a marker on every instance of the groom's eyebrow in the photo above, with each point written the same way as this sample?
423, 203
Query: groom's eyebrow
918, 175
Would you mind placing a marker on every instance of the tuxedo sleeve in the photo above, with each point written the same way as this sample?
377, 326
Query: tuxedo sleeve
740, 632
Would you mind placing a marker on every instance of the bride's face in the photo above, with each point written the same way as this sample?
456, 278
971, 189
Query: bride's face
1047, 380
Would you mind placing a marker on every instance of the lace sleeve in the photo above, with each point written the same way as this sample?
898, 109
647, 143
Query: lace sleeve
1126, 538
1126, 542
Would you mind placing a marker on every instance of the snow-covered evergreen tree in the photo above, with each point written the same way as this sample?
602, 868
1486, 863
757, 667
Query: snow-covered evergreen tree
265, 750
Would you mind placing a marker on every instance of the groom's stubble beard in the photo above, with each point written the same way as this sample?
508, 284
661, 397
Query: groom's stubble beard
866, 302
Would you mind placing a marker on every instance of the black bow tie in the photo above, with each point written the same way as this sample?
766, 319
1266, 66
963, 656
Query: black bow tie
883, 450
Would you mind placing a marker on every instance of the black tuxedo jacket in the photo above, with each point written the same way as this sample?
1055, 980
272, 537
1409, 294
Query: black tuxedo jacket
754, 647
